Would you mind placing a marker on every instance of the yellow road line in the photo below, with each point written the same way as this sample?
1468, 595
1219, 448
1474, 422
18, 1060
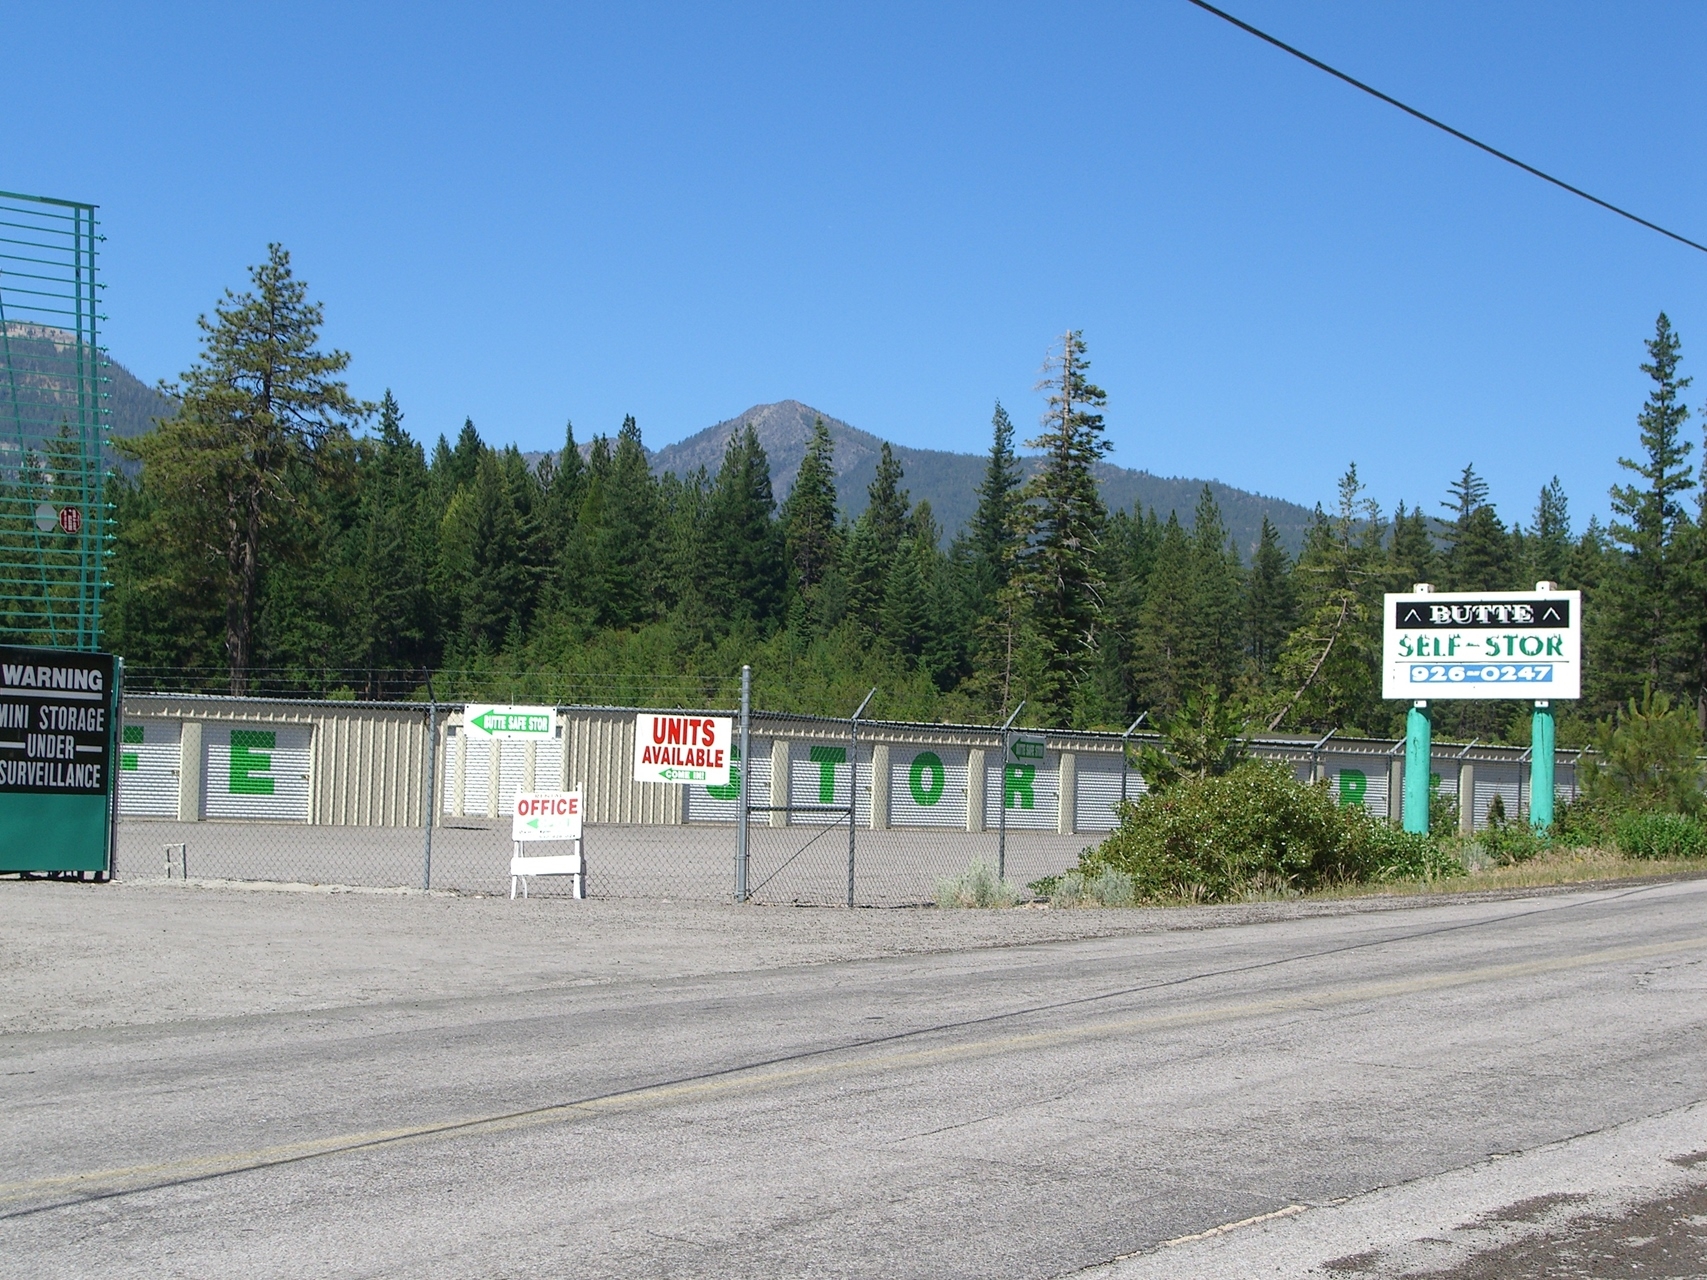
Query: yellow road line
137, 1177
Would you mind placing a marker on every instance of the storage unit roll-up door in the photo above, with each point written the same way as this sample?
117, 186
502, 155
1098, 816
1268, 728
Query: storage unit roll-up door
256, 771
1034, 795
1098, 794
927, 787
148, 769
1496, 779
819, 774
1359, 782
723, 805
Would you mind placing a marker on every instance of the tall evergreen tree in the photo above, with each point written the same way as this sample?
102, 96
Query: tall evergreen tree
746, 577
992, 534
1271, 600
1062, 517
1549, 541
809, 513
1328, 672
260, 410
1642, 638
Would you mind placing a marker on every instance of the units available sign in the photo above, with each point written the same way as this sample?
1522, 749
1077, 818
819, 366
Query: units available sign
682, 748
547, 815
526, 724
56, 758
1483, 644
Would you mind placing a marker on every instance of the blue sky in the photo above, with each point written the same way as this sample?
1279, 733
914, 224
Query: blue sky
533, 213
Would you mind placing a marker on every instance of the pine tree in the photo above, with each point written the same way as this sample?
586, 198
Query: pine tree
1328, 675
991, 533
809, 513
1165, 666
261, 408
1642, 637
1217, 604
1549, 542
1062, 518
746, 577
875, 540
1271, 600
1411, 555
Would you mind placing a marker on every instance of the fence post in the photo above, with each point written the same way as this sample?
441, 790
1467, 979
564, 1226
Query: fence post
741, 815
1002, 800
429, 789
853, 785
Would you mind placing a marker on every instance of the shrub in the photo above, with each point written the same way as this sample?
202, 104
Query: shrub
1509, 843
1581, 824
1648, 759
1404, 855
1660, 835
1254, 829
1106, 888
977, 886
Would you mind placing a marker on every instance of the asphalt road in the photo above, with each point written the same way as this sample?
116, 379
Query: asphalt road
1016, 1111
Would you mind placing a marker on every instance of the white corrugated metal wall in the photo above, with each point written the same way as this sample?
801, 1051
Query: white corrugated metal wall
148, 768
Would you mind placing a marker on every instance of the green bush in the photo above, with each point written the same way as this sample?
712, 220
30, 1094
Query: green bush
1403, 855
1254, 830
977, 886
1648, 758
1581, 824
1660, 835
1509, 843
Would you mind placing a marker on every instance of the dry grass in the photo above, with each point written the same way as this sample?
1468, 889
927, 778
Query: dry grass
1558, 867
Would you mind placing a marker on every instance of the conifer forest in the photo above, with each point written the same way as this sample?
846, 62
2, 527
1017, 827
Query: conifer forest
281, 536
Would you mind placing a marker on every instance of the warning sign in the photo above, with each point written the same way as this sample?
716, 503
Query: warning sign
56, 758
55, 722
682, 748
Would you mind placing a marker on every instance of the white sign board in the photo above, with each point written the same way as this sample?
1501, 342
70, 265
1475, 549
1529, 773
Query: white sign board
682, 748
547, 815
528, 724
1483, 644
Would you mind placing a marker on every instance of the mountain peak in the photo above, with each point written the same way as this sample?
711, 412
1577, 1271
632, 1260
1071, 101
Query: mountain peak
950, 480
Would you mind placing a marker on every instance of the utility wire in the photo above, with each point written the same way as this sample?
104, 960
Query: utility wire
1442, 126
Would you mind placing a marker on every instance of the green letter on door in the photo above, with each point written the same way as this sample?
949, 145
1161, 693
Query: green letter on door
249, 748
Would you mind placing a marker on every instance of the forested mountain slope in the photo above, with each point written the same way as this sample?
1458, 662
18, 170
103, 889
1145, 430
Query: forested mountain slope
949, 481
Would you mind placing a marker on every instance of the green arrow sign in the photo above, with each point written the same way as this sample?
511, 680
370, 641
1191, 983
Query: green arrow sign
682, 775
496, 720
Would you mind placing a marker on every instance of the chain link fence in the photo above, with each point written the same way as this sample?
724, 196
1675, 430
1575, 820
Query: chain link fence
405, 795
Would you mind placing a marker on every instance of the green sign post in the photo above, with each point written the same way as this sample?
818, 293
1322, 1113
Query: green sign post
58, 728
1524, 645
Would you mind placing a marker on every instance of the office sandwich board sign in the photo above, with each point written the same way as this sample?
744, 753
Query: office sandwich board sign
1482, 644
682, 748
547, 815
56, 756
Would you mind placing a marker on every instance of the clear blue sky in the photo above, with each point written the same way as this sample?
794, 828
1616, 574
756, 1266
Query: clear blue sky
533, 213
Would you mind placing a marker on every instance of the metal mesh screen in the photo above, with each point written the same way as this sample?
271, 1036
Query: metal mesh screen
53, 514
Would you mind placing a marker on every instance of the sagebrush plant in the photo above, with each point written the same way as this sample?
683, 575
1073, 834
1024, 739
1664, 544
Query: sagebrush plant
977, 886
1257, 829
1660, 835
1107, 888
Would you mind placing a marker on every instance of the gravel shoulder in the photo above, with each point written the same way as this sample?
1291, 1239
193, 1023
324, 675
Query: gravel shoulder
140, 953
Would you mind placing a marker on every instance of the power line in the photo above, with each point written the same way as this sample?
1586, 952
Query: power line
1442, 126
